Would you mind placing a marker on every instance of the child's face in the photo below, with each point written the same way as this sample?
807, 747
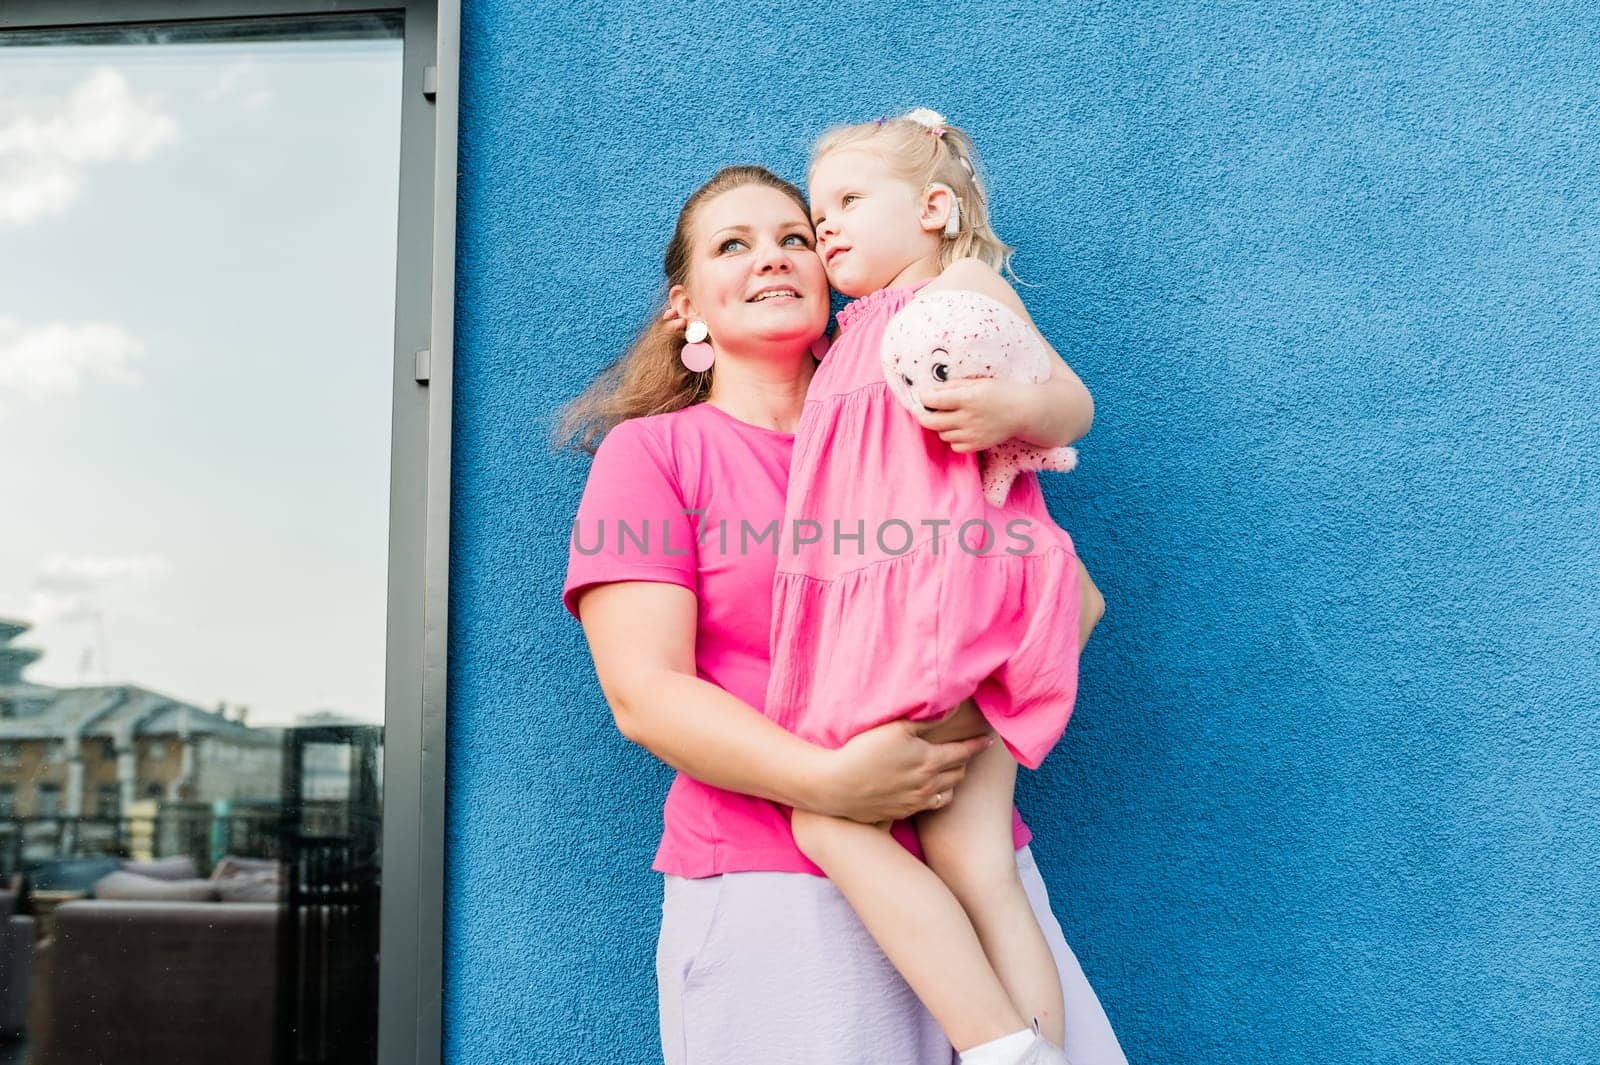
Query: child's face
754, 277
868, 219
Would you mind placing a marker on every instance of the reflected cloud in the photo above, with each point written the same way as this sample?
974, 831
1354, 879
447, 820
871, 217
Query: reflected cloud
47, 146
55, 359
92, 572
45, 608
239, 82
68, 587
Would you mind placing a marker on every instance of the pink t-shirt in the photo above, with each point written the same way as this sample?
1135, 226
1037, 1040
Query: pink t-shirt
695, 497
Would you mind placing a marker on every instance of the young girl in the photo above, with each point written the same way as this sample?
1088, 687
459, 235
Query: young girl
898, 604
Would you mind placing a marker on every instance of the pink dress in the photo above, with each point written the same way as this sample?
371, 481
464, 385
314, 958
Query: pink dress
899, 590
669, 498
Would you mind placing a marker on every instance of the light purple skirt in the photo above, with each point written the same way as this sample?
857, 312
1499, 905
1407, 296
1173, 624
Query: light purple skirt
776, 969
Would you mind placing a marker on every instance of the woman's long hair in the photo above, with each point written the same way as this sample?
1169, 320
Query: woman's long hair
650, 377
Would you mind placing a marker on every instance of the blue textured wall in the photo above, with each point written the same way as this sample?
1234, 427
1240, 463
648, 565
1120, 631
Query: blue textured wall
1333, 790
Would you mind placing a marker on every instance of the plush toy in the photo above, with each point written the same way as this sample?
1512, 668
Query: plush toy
951, 335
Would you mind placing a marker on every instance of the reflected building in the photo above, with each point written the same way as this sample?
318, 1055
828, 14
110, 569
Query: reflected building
93, 751
325, 768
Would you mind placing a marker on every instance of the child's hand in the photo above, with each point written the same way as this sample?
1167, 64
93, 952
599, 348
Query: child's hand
976, 413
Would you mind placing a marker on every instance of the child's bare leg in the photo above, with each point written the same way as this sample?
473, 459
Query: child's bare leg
919, 924
1091, 606
968, 843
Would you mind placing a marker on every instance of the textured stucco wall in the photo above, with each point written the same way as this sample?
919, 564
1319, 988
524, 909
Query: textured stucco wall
1331, 270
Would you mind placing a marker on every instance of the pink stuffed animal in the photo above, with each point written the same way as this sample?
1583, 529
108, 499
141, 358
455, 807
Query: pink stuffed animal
950, 335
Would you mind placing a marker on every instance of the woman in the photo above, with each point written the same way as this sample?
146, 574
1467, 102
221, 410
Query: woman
760, 960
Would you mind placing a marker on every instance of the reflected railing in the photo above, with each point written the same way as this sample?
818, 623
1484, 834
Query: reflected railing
206, 832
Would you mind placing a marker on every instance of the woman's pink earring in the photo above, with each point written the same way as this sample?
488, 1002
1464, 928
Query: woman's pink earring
820, 346
697, 354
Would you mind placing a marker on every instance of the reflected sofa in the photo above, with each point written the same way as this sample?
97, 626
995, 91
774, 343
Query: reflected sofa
161, 967
174, 983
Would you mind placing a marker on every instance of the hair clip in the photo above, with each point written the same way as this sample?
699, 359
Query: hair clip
881, 120
927, 118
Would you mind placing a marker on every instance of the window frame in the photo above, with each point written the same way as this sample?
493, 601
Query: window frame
411, 938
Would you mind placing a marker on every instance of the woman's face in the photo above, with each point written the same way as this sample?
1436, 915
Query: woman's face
754, 276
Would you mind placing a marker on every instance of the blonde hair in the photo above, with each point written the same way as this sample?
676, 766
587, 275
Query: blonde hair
650, 377
922, 148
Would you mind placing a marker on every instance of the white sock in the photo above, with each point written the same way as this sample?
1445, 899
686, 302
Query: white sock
1003, 1051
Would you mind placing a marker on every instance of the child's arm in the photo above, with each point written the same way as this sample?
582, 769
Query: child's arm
978, 414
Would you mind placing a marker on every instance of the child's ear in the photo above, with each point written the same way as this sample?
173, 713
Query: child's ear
678, 299
938, 200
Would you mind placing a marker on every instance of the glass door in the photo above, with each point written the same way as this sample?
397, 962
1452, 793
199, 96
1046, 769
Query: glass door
198, 260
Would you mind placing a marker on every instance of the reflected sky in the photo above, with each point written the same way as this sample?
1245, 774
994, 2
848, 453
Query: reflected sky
196, 323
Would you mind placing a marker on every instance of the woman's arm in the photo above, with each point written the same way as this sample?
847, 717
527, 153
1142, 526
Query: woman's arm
982, 413
641, 634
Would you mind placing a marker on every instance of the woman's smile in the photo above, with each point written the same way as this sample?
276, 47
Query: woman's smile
775, 292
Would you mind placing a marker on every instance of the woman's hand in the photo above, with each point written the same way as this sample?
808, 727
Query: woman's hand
891, 772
